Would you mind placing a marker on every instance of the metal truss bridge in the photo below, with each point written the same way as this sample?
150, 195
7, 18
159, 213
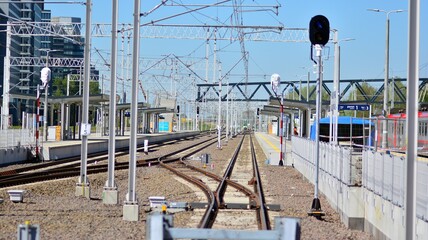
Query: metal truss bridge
262, 92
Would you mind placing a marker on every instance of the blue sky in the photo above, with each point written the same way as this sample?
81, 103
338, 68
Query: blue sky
361, 58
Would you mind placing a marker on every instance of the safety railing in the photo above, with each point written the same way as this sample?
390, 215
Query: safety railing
11, 138
337, 161
384, 175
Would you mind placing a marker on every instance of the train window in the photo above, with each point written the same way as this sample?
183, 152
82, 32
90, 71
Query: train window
425, 129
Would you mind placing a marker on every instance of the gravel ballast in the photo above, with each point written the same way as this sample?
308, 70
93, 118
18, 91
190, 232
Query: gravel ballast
61, 215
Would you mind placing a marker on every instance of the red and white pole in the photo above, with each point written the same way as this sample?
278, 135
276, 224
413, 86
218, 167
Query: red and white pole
37, 121
281, 133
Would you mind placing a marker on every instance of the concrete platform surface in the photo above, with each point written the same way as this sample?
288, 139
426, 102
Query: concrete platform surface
271, 147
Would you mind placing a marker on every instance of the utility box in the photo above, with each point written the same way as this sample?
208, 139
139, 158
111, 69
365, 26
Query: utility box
206, 158
16, 195
28, 231
54, 133
51, 133
157, 201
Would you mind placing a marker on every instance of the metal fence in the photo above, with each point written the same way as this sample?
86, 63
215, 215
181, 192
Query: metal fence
337, 161
384, 174
379, 172
11, 138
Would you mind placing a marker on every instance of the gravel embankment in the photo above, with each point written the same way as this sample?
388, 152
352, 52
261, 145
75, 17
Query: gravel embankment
295, 194
61, 215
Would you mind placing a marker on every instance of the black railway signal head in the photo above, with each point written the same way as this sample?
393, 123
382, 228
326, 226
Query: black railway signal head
319, 30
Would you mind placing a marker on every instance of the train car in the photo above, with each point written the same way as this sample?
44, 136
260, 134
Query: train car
356, 132
397, 136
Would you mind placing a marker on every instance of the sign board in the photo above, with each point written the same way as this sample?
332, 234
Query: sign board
86, 129
163, 126
357, 107
275, 82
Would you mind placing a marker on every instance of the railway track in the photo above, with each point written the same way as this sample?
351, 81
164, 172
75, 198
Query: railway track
220, 192
71, 167
229, 200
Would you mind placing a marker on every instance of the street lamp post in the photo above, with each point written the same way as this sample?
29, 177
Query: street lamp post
283, 146
45, 77
335, 96
275, 83
385, 84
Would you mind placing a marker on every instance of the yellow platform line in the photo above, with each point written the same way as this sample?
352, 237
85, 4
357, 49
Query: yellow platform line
269, 142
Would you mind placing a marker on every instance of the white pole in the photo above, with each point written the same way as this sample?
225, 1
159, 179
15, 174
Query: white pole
316, 204
110, 184
412, 120
131, 197
83, 180
6, 81
67, 109
219, 93
334, 111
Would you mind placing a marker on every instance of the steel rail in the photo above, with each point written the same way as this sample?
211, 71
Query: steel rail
254, 202
99, 156
262, 213
212, 201
68, 171
221, 189
212, 211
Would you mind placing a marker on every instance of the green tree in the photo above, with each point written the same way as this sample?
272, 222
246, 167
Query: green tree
356, 96
59, 87
398, 103
291, 94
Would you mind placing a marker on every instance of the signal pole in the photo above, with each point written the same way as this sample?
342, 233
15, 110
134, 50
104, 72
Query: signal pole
319, 32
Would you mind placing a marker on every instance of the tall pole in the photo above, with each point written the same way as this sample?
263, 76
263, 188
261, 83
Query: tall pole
110, 195
6, 81
316, 204
219, 115
82, 188
37, 120
219, 92
131, 196
131, 208
335, 95
123, 78
128, 58
227, 112
45, 109
281, 131
179, 116
412, 120
385, 83
67, 112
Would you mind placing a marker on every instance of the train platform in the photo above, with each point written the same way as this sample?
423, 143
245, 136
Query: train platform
52, 150
270, 144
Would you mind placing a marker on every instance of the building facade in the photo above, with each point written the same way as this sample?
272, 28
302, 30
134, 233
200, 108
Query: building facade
24, 79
